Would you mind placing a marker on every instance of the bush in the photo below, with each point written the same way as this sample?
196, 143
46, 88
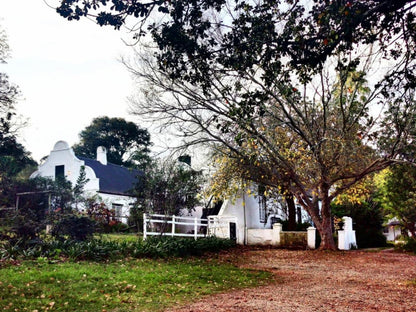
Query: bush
100, 250
165, 246
410, 245
299, 226
77, 228
367, 238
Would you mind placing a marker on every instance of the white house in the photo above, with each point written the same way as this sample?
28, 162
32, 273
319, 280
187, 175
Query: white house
244, 217
110, 182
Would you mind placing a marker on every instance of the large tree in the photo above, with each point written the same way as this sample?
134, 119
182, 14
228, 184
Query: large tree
282, 85
127, 144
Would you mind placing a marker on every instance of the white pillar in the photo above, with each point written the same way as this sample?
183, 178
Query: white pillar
311, 237
346, 237
277, 228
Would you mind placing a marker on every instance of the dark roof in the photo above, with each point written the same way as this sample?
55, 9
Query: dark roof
114, 179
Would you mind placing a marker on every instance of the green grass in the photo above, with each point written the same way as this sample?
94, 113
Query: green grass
125, 285
119, 237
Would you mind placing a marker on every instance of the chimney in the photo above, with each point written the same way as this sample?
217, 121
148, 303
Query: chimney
102, 155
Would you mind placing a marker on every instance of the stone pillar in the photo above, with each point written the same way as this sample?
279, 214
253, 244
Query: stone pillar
346, 237
277, 228
311, 237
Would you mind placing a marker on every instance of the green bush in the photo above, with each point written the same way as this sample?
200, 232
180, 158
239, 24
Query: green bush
100, 250
410, 245
77, 228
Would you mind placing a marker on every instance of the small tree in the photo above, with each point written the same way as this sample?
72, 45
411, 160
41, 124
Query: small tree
169, 187
360, 203
397, 195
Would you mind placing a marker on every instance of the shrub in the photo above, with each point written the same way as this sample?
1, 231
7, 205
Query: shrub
100, 250
78, 228
410, 245
165, 246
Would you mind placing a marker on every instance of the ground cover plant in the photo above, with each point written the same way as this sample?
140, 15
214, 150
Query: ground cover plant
112, 249
123, 285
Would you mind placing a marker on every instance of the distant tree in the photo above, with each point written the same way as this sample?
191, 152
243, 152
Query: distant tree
397, 195
126, 143
13, 156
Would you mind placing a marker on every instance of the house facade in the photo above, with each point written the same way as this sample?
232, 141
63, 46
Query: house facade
109, 182
246, 217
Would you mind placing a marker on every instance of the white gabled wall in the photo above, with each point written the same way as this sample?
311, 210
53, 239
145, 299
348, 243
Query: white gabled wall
62, 154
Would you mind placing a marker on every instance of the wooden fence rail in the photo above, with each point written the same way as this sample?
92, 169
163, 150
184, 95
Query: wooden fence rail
195, 225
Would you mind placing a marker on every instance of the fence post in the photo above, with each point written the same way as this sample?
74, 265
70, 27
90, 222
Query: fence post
144, 226
196, 228
173, 225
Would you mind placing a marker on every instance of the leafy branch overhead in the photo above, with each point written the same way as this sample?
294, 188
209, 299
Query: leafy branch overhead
308, 96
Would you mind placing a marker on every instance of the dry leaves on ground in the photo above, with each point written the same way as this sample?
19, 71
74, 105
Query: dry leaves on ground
320, 281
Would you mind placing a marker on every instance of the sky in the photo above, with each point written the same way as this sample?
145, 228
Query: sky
68, 72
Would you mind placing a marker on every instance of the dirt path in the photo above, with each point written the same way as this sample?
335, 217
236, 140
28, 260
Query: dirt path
321, 281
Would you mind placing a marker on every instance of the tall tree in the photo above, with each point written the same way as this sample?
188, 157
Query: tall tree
126, 143
282, 85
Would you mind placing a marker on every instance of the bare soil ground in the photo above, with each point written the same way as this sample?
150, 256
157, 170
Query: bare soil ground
320, 281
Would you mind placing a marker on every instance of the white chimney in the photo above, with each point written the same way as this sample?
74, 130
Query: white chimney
102, 155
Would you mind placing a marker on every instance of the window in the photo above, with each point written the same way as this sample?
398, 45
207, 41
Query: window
60, 172
118, 211
262, 204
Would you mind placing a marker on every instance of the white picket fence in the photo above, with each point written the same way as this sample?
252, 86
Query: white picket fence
153, 225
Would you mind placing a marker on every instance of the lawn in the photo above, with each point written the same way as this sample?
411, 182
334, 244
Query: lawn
124, 285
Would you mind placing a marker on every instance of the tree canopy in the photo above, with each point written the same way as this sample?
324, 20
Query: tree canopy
126, 143
397, 195
311, 95
169, 187
13, 156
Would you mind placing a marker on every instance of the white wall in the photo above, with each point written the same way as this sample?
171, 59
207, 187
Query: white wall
62, 154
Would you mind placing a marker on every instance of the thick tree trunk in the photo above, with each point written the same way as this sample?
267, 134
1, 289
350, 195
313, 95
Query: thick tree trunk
325, 230
291, 212
327, 237
322, 219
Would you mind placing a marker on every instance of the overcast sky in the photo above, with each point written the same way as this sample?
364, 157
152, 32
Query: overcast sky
68, 72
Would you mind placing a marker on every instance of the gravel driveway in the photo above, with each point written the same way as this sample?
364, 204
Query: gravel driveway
320, 281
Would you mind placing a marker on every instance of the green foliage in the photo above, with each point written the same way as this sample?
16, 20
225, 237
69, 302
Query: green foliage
397, 195
78, 228
298, 227
101, 250
168, 187
13, 156
410, 245
368, 222
165, 247
126, 143
281, 86
126, 285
